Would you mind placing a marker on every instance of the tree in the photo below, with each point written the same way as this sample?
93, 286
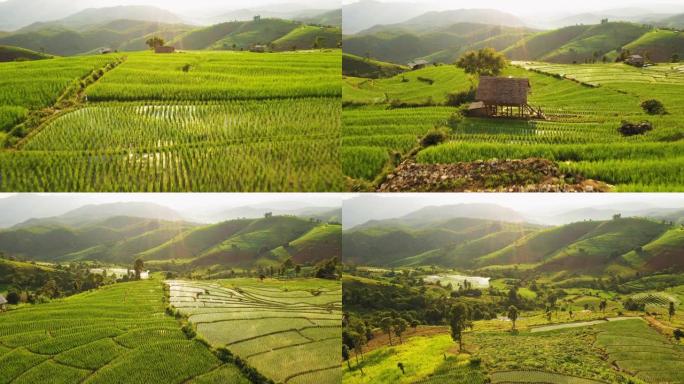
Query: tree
50, 289
400, 326
602, 306
548, 314
346, 355
485, 62
513, 315
459, 320
13, 298
513, 295
298, 269
386, 325
138, 266
414, 324
671, 310
154, 42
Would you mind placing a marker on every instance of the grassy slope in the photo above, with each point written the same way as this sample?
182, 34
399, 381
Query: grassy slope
255, 241
8, 53
407, 87
658, 45
193, 243
250, 33
357, 66
601, 39
304, 37
661, 253
321, 242
604, 245
117, 333
204, 37
537, 246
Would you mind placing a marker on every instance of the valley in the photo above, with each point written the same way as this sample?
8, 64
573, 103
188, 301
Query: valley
443, 298
132, 292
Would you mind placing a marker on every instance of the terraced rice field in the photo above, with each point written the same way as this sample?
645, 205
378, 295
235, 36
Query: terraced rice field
655, 298
538, 377
116, 334
580, 133
38, 84
289, 336
216, 121
639, 349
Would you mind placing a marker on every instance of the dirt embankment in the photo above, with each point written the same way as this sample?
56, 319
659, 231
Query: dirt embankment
528, 175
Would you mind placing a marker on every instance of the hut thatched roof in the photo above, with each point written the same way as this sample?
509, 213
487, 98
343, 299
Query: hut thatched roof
503, 90
2, 300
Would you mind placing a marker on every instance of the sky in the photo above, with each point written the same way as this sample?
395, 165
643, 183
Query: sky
520, 7
190, 201
535, 205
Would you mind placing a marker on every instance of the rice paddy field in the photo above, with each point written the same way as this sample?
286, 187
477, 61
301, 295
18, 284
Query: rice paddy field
584, 106
288, 331
116, 334
192, 121
610, 352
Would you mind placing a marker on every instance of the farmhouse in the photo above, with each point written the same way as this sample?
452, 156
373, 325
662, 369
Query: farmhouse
418, 64
258, 48
164, 49
3, 303
503, 96
636, 60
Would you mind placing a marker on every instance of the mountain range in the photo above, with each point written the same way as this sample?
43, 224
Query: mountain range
361, 15
618, 245
78, 236
126, 28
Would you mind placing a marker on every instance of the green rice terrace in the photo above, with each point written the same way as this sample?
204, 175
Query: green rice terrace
190, 121
584, 105
289, 331
115, 334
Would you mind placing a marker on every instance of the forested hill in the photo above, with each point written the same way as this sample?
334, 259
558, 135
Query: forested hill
617, 246
438, 42
122, 239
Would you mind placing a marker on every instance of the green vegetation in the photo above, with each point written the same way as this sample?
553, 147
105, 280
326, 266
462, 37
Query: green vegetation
117, 333
288, 332
584, 106
176, 115
8, 53
177, 246
356, 66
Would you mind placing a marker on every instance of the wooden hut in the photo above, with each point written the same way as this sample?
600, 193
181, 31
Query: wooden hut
258, 48
164, 49
418, 64
636, 60
3, 303
503, 96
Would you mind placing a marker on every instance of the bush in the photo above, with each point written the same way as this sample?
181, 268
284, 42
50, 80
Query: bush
678, 334
455, 99
426, 80
630, 129
653, 107
455, 119
13, 298
434, 137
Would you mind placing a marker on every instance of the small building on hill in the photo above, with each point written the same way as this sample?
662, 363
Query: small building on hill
504, 97
164, 49
258, 48
635, 60
106, 51
418, 64
3, 303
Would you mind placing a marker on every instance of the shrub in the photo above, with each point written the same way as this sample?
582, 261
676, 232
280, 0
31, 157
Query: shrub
653, 107
13, 298
426, 80
455, 119
433, 137
678, 334
455, 99
630, 129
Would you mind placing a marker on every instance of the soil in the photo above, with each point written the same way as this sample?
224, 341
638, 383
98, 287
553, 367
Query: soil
528, 175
